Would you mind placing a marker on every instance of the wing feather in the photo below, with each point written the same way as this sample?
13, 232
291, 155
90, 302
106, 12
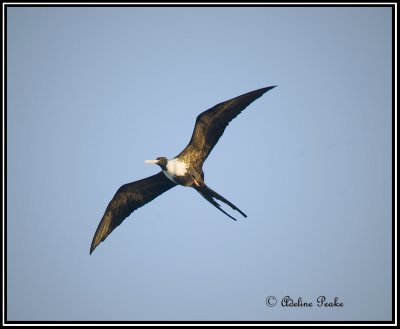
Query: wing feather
127, 199
211, 124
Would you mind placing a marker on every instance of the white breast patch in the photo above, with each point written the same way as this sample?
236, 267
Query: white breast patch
175, 168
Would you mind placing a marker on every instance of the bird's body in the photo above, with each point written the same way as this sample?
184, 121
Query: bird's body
185, 169
178, 172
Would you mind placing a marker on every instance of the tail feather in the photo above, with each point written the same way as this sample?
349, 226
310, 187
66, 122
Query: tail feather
210, 195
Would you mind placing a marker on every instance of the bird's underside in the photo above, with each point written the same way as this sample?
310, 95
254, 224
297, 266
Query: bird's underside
185, 169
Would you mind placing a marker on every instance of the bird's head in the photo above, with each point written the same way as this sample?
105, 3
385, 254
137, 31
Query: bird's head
161, 161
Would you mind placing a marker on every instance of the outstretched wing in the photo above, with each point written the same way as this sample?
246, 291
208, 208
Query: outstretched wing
210, 126
128, 198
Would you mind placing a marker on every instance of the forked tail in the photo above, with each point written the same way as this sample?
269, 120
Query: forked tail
210, 195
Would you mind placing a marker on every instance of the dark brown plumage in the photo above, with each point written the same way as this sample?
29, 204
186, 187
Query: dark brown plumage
128, 198
211, 124
185, 169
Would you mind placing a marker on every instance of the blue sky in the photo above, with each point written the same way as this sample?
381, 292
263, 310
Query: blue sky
92, 92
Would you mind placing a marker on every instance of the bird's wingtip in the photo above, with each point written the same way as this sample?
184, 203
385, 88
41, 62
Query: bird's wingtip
271, 87
93, 246
262, 91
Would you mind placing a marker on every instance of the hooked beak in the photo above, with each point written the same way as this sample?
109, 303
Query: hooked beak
151, 161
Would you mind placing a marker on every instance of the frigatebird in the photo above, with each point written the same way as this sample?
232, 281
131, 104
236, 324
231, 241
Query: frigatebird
185, 169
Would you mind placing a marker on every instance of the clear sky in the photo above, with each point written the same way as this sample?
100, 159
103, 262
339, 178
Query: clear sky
93, 92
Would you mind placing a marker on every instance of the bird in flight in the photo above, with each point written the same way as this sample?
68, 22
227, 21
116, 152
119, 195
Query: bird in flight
185, 169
